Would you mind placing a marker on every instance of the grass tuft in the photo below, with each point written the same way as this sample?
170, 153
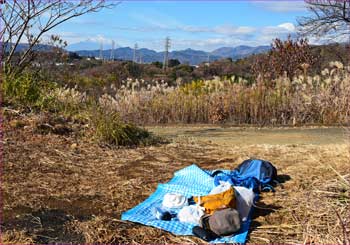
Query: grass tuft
112, 131
15, 237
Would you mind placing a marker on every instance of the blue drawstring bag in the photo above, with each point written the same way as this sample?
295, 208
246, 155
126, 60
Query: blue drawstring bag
254, 174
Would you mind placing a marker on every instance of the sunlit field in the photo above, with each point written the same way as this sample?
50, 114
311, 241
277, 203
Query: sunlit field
102, 101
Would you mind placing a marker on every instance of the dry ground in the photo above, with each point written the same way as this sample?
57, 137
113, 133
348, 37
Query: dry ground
67, 189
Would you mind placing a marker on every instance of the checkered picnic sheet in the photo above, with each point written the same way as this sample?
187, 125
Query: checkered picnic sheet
189, 181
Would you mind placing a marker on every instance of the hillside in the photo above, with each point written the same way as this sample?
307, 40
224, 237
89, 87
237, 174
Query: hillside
239, 51
23, 46
190, 56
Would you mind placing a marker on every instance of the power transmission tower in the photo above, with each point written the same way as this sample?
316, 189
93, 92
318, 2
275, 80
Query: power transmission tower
112, 50
166, 53
101, 50
135, 50
140, 57
208, 59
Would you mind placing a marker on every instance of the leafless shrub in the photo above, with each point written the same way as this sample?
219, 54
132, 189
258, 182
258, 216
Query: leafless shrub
285, 57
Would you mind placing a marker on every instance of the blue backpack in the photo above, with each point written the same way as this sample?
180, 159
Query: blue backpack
254, 174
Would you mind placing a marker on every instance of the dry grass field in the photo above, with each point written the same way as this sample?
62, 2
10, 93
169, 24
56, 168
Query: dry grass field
67, 189
86, 135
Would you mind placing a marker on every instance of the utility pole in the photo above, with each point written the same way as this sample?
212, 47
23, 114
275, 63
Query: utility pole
112, 51
166, 54
135, 50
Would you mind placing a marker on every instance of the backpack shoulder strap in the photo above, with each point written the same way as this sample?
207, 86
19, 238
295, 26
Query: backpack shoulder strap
216, 172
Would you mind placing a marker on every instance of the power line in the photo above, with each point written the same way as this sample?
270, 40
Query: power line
166, 53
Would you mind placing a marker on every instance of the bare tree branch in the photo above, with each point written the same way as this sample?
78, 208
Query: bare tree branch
33, 18
327, 17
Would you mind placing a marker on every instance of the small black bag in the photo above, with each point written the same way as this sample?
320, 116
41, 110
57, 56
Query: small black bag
206, 235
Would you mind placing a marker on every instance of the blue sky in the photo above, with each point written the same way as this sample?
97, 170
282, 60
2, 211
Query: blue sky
203, 25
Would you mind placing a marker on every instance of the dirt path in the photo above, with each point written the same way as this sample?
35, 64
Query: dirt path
66, 189
256, 136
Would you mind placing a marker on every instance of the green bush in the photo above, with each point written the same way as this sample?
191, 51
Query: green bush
25, 89
111, 130
196, 88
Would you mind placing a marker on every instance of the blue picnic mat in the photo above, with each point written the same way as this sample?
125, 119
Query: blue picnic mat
189, 181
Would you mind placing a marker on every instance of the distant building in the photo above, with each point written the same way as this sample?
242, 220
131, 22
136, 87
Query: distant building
36, 64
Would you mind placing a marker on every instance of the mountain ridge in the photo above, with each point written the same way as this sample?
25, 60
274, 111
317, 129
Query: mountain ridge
190, 56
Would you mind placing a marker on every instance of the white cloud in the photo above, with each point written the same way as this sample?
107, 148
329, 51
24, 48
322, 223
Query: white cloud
245, 29
156, 19
279, 29
233, 30
73, 38
223, 30
288, 26
211, 43
282, 6
328, 39
193, 29
99, 38
206, 38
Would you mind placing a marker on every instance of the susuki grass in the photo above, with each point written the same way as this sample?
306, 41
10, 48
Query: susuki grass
321, 99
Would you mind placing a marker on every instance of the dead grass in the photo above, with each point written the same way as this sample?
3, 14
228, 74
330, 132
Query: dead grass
67, 189
15, 237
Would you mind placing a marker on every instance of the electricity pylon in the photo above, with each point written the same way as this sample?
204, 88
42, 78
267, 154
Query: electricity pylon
166, 53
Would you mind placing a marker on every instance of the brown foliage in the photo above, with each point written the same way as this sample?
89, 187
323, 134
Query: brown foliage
284, 57
218, 111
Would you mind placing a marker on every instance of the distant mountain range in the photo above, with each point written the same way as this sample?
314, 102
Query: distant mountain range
145, 55
190, 56
23, 47
239, 51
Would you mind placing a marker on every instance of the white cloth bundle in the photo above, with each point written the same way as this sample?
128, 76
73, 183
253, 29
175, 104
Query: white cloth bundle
224, 186
173, 200
191, 214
